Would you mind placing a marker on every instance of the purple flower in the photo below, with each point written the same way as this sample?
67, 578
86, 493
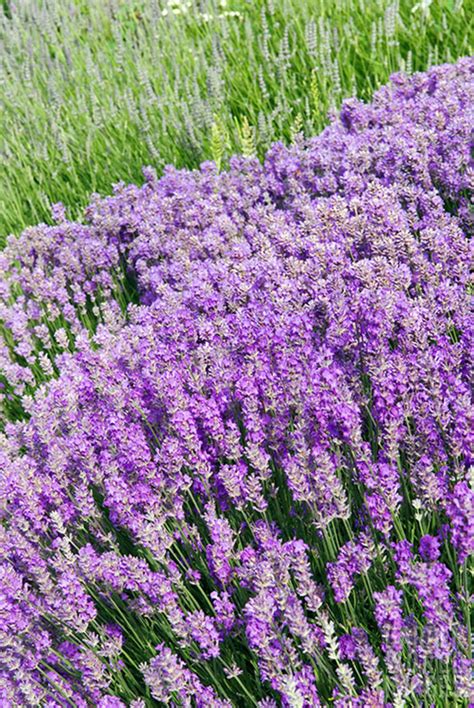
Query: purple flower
460, 511
429, 548
388, 613
355, 557
292, 370
167, 676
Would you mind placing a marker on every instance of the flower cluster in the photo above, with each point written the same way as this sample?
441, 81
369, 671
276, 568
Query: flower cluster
231, 397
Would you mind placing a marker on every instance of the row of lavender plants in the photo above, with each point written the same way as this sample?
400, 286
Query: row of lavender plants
91, 90
237, 456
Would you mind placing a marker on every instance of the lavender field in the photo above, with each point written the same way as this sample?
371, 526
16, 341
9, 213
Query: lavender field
237, 430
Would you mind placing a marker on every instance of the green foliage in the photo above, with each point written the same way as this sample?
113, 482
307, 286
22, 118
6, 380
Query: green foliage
247, 139
296, 129
219, 141
92, 91
314, 96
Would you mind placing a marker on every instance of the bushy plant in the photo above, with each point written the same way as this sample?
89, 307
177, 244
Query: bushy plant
92, 90
252, 485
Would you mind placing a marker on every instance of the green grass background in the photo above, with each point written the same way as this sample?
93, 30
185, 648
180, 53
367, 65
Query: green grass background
92, 90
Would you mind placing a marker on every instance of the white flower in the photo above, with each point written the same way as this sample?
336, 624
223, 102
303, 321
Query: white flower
232, 671
177, 7
293, 696
423, 6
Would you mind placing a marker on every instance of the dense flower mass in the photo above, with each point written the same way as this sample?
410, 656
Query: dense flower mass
238, 467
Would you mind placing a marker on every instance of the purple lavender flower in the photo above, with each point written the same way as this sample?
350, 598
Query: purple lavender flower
388, 613
429, 548
294, 370
355, 558
168, 677
460, 510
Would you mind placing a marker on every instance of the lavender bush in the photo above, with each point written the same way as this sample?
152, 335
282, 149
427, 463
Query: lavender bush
91, 90
237, 467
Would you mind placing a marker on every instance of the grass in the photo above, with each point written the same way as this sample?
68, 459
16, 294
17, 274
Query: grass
92, 90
